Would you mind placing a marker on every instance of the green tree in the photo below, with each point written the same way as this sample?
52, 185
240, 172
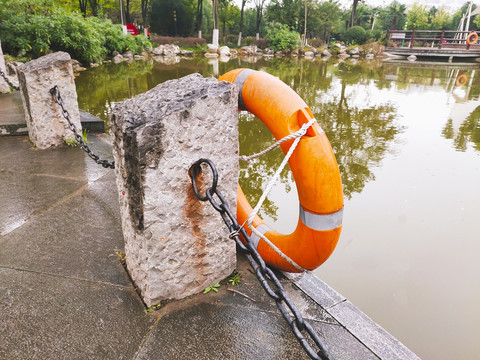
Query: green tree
356, 35
250, 23
363, 16
280, 37
228, 15
441, 20
286, 12
96, 7
393, 17
259, 7
198, 23
173, 17
240, 30
354, 10
146, 5
83, 7
417, 17
326, 19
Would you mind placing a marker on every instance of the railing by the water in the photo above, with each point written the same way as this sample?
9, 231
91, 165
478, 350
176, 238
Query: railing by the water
440, 39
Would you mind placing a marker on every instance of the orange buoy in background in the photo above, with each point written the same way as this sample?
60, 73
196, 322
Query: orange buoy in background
462, 79
472, 38
313, 166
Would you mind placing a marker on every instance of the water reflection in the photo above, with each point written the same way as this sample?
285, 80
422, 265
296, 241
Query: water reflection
359, 133
466, 132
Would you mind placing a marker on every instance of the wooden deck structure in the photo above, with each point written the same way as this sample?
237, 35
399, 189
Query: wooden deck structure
431, 43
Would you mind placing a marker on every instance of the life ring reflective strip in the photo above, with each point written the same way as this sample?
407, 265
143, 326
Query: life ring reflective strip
313, 166
462, 79
470, 36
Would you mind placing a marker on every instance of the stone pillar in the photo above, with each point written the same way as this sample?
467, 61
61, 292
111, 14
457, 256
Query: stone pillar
175, 245
4, 87
45, 122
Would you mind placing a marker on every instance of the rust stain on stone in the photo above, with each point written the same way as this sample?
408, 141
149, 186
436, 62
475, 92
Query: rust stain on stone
194, 216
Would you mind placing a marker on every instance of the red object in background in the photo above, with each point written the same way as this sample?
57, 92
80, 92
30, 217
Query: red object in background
131, 29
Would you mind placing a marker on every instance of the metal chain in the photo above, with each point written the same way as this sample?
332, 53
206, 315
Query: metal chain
265, 275
55, 92
2, 74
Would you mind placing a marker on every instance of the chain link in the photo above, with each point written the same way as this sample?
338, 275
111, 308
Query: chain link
2, 74
265, 275
55, 92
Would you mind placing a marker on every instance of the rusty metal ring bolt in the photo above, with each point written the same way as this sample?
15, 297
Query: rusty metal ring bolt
195, 170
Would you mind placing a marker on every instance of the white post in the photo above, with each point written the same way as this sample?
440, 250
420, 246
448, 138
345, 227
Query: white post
215, 37
239, 42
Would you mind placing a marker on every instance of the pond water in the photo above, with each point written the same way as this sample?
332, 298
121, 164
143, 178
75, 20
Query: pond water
407, 140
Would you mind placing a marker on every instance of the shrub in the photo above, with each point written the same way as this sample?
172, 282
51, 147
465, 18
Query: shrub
33, 34
262, 43
184, 42
280, 37
316, 43
356, 35
230, 39
374, 34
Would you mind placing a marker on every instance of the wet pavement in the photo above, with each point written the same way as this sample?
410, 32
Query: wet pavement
64, 293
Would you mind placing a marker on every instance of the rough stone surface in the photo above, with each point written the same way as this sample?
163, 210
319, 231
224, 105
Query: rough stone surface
224, 58
158, 50
128, 54
171, 49
4, 87
12, 67
175, 245
326, 53
223, 50
211, 55
211, 48
186, 53
117, 59
45, 122
354, 51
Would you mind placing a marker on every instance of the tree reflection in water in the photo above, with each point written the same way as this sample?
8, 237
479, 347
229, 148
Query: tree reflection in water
469, 131
359, 136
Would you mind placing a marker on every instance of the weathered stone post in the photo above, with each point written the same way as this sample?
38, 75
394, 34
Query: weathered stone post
45, 122
4, 87
175, 245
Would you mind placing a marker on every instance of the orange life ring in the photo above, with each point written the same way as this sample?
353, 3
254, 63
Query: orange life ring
313, 166
462, 79
469, 38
